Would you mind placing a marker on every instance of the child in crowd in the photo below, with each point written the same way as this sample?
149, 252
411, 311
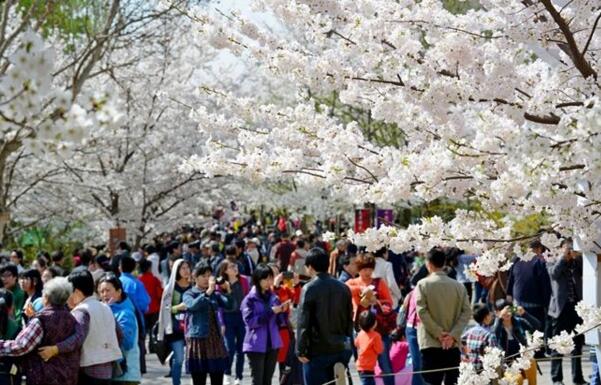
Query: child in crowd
369, 346
399, 350
476, 339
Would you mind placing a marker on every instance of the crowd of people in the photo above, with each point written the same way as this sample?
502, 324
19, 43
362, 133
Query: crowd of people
286, 303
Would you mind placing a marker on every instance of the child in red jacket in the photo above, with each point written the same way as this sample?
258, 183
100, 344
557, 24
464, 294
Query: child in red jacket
369, 346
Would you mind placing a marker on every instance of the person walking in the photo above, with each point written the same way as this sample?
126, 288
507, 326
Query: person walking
444, 310
172, 316
232, 319
325, 323
206, 353
262, 313
566, 285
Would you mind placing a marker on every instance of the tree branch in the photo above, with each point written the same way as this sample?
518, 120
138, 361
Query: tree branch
590, 38
583, 66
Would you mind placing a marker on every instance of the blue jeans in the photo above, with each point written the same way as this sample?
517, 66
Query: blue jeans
178, 360
234, 337
416, 358
384, 361
481, 294
367, 378
320, 369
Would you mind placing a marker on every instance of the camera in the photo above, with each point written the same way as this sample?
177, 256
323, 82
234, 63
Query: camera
219, 280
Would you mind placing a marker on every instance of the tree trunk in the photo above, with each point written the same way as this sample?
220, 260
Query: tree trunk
5, 152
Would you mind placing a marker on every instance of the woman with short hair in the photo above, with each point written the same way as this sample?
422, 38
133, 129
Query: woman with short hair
369, 293
98, 338
49, 327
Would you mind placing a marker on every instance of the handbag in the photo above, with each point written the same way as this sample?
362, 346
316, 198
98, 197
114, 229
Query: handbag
386, 321
386, 318
160, 348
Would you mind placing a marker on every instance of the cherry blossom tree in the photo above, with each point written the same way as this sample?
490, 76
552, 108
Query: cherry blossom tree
49, 51
497, 103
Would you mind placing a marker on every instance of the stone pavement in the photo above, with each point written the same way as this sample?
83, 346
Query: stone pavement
156, 373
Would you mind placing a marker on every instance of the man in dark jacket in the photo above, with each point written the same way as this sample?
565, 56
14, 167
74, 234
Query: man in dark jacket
566, 284
325, 324
529, 285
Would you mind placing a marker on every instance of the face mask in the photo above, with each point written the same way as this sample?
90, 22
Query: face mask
254, 254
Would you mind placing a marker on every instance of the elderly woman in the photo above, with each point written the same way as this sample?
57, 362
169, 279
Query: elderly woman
50, 326
99, 334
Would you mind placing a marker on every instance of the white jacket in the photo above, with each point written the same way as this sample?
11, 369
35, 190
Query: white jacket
165, 319
384, 271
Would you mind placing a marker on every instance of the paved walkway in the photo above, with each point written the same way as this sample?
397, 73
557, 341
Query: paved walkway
156, 373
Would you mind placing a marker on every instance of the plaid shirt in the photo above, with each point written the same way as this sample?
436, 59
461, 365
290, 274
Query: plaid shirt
473, 343
25, 342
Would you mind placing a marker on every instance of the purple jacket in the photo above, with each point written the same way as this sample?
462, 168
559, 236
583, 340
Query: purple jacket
260, 320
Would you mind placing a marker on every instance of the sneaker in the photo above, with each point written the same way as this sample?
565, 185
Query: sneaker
238, 381
227, 380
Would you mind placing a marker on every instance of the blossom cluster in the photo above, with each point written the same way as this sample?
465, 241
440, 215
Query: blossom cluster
489, 105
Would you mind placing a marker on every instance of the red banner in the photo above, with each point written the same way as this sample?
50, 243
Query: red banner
362, 220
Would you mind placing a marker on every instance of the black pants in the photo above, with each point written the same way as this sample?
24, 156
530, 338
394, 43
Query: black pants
567, 320
262, 366
150, 320
142, 346
201, 378
437, 358
469, 287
